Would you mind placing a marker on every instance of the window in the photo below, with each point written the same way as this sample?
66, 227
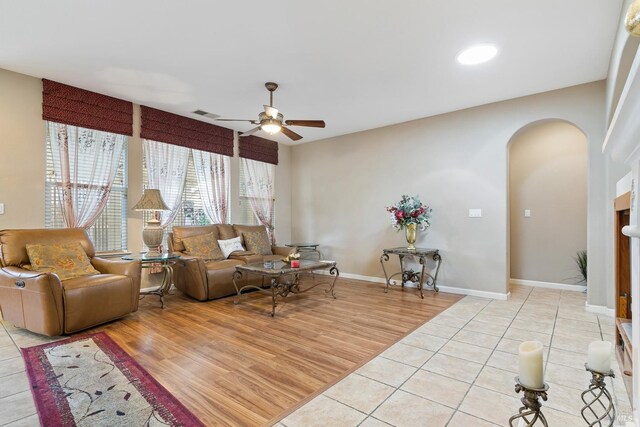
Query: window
109, 232
246, 215
191, 211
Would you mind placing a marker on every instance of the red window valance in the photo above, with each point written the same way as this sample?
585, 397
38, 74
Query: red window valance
173, 129
260, 149
78, 107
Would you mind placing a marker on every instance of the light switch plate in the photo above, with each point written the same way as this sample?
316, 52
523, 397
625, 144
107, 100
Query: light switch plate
1, 208
475, 213
527, 213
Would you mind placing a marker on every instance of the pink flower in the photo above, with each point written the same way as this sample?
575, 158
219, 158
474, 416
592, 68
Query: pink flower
415, 214
399, 214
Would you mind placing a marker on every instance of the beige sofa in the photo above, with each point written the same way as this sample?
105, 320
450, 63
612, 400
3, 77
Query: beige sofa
205, 280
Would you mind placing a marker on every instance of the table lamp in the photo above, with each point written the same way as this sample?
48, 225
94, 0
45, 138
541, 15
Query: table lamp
153, 233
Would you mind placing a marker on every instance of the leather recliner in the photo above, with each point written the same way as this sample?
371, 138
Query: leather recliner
42, 303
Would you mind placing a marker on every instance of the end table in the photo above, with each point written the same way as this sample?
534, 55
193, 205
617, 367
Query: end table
166, 262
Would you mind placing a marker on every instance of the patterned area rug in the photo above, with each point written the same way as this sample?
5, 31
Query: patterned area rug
90, 381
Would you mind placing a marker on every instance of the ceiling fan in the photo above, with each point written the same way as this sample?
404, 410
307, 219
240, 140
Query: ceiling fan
272, 121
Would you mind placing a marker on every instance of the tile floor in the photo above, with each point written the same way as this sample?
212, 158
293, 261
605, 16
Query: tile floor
456, 370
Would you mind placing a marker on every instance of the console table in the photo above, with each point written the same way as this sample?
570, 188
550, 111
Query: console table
421, 277
163, 261
306, 248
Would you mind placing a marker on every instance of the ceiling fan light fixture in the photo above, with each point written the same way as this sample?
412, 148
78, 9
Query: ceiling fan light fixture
271, 126
477, 54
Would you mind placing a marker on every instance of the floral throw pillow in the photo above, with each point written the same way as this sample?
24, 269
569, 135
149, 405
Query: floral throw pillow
257, 242
204, 246
230, 245
67, 260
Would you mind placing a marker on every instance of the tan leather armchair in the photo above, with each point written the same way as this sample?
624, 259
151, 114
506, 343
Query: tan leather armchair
42, 303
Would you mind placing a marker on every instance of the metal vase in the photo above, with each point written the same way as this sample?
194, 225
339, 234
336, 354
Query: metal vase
411, 233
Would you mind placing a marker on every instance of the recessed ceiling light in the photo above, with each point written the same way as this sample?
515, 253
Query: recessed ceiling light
477, 54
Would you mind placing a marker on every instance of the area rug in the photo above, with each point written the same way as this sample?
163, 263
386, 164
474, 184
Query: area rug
90, 381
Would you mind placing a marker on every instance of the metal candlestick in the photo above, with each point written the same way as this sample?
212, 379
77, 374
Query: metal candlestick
600, 400
531, 411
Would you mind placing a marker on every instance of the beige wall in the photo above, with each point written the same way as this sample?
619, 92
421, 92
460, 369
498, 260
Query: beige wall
22, 163
455, 162
22, 151
548, 177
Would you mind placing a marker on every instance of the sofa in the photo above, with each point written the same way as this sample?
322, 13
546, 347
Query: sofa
48, 302
204, 279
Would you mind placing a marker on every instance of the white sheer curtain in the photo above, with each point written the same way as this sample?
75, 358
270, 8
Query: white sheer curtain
260, 191
212, 171
84, 185
166, 170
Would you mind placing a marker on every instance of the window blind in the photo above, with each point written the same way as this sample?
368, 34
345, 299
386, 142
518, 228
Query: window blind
191, 211
109, 233
245, 214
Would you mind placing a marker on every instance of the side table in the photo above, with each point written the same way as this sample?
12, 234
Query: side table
306, 248
166, 262
423, 279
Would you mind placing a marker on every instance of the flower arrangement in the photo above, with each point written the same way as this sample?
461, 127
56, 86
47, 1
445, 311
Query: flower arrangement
410, 210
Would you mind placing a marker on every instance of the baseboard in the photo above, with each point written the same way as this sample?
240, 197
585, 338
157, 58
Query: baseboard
599, 309
548, 285
448, 289
475, 293
361, 277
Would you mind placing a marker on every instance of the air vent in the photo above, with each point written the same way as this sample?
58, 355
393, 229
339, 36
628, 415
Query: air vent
206, 114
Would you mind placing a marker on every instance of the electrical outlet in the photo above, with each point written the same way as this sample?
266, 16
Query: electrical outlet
475, 213
527, 213
1, 208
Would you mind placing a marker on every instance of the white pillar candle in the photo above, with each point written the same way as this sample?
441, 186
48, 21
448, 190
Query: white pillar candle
531, 366
599, 356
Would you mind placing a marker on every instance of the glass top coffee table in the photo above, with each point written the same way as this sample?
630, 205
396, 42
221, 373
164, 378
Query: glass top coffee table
284, 279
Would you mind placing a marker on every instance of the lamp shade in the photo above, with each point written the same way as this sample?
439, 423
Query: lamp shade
151, 200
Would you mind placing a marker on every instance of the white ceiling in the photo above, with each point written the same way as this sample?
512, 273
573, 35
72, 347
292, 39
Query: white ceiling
357, 64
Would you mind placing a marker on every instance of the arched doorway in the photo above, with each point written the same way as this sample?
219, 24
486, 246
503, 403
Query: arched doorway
547, 218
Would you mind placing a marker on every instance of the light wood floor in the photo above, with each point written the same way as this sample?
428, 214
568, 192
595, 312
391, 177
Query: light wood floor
235, 365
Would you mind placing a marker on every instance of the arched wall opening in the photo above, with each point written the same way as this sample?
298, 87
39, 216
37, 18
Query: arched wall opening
547, 203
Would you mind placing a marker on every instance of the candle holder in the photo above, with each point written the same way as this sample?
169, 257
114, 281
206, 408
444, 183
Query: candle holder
597, 399
531, 411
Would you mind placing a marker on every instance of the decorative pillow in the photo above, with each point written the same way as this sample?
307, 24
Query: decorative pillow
257, 242
67, 260
204, 246
230, 245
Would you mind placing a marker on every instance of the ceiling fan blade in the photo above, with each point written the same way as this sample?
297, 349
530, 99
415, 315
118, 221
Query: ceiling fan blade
271, 111
291, 134
235, 120
250, 131
307, 123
